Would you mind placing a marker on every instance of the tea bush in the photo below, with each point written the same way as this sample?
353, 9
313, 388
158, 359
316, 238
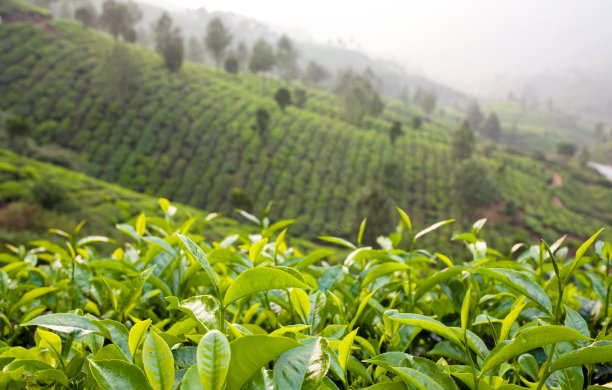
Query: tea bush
170, 309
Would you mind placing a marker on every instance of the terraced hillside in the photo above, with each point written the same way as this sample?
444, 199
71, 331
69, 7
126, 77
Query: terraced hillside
189, 136
27, 188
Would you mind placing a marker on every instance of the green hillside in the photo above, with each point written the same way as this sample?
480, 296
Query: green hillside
189, 136
530, 128
35, 197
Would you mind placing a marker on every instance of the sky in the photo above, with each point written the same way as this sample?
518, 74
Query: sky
464, 43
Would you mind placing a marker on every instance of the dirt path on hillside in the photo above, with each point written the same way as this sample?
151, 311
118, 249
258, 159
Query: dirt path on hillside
556, 181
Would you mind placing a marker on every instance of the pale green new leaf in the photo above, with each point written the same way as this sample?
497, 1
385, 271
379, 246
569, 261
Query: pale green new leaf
137, 333
158, 362
65, 323
213, 360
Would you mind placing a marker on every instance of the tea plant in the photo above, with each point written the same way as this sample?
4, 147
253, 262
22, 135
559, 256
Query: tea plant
171, 310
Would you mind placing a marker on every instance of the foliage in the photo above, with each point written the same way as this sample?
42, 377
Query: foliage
231, 65
300, 97
262, 57
474, 116
566, 148
119, 18
170, 308
473, 185
283, 98
491, 127
426, 100
262, 120
189, 137
395, 131
48, 194
417, 122
314, 73
169, 42
195, 49
17, 127
462, 143
286, 58
87, 15
217, 39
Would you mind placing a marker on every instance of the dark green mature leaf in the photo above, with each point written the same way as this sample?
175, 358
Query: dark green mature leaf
598, 352
428, 324
117, 333
521, 283
213, 360
260, 279
200, 256
118, 375
250, 353
158, 362
420, 381
65, 323
530, 339
302, 367
435, 280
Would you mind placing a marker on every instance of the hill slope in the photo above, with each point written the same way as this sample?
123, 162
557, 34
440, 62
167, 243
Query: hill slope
188, 136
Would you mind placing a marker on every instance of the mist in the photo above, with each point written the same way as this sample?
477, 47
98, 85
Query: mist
470, 45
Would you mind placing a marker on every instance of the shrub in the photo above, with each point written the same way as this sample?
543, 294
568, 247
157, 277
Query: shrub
48, 194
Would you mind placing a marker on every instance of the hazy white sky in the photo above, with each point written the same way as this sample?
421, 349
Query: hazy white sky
462, 42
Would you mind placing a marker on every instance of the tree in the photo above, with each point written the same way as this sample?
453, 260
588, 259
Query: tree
119, 74
376, 206
356, 103
474, 115
242, 55
231, 65
217, 39
300, 97
195, 49
491, 127
169, 42
472, 185
376, 105
583, 157
427, 101
119, 19
462, 144
286, 58
417, 122
262, 57
17, 127
262, 118
599, 133
404, 95
86, 14
283, 98
314, 73
566, 148
395, 131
